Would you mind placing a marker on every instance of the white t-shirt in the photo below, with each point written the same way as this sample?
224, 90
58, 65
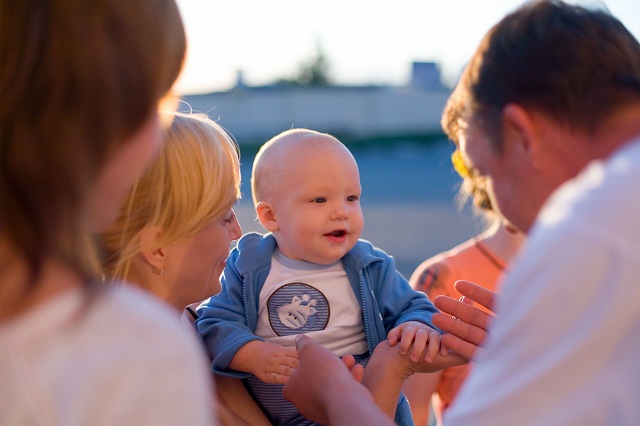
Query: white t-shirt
121, 358
317, 300
565, 349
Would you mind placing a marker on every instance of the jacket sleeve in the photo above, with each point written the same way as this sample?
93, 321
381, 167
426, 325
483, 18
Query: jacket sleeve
398, 302
222, 324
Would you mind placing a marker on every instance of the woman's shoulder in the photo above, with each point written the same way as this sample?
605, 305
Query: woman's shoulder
115, 343
141, 312
438, 274
142, 336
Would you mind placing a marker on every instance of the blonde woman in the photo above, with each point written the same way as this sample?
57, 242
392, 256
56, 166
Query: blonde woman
173, 232
80, 87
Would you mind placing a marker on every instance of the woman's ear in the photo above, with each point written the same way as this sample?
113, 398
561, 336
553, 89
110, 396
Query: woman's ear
153, 255
267, 216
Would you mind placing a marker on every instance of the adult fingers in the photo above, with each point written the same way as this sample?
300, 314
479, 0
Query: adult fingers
465, 331
476, 293
302, 343
459, 346
462, 311
460, 337
313, 353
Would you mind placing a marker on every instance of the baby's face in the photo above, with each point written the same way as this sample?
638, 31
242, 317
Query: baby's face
317, 206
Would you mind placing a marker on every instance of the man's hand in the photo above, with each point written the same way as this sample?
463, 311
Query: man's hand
465, 325
323, 388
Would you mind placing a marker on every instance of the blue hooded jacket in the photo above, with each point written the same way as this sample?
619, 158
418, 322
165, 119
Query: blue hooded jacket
228, 320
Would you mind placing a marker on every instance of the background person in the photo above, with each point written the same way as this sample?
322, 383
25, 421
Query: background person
79, 122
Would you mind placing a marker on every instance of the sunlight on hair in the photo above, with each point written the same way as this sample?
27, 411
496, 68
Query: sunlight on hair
593, 5
167, 106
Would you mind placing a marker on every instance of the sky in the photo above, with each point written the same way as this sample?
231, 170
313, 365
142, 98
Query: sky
364, 41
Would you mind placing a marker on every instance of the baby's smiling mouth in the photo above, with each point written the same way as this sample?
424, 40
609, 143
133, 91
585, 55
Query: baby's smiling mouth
338, 233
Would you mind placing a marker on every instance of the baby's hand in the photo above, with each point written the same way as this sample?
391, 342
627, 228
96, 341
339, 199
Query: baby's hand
418, 335
269, 362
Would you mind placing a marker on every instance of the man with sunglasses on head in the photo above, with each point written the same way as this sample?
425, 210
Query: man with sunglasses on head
547, 113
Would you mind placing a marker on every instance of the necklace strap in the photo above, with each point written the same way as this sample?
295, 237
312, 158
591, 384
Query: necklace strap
495, 261
193, 313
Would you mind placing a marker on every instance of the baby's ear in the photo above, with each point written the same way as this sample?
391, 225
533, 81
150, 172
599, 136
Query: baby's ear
267, 216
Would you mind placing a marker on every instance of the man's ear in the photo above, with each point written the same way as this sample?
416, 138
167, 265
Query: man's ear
519, 131
267, 216
516, 124
153, 255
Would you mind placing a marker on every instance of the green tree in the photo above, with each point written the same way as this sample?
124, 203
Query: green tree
315, 72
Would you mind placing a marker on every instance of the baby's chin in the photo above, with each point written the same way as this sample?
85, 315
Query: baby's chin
333, 256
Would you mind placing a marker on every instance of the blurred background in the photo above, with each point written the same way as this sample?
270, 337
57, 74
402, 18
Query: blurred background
363, 41
374, 74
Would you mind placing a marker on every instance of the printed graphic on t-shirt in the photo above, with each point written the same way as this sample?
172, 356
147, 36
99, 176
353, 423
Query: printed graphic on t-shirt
297, 308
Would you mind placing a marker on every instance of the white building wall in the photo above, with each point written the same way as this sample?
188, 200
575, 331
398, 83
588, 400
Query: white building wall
255, 115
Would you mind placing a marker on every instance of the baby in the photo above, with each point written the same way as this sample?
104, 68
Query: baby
310, 274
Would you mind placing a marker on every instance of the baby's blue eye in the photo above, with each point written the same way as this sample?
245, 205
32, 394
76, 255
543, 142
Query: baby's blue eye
320, 200
352, 198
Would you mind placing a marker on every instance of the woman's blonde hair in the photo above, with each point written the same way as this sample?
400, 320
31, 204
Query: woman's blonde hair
77, 80
194, 180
